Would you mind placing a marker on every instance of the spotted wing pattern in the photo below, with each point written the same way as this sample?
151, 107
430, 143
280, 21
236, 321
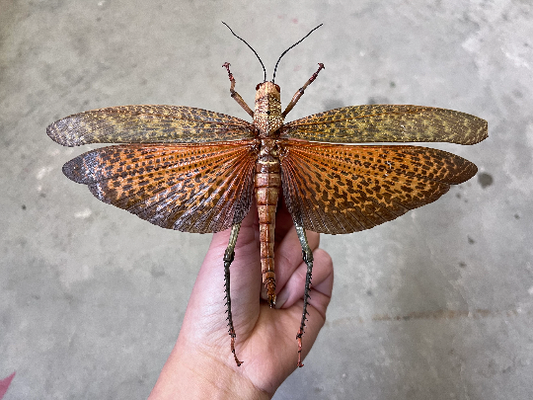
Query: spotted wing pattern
148, 124
341, 189
388, 123
188, 187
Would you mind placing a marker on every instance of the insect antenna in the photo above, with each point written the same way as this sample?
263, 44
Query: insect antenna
286, 51
251, 48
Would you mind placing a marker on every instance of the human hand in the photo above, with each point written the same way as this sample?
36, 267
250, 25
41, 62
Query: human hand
201, 364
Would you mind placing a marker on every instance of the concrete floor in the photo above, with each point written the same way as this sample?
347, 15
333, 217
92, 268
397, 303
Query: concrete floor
435, 305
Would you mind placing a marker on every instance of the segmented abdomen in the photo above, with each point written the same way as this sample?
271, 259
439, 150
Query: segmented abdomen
267, 188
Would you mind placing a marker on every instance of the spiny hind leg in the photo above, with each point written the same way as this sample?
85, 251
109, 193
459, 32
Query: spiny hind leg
229, 256
307, 256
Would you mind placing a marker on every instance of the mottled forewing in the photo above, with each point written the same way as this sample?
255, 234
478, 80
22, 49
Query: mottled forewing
148, 124
388, 123
188, 187
342, 189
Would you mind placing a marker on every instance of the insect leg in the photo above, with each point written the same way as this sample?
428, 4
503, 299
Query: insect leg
229, 256
300, 91
307, 256
236, 96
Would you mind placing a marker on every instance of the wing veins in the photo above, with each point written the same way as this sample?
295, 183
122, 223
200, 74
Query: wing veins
148, 124
358, 187
172, 186
388, 123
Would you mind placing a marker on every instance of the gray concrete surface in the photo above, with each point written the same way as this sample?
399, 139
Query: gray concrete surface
435, 305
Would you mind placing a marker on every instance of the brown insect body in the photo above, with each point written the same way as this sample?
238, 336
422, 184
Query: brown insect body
196, 170
267, 120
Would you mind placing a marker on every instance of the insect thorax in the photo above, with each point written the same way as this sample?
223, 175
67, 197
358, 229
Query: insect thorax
267, 112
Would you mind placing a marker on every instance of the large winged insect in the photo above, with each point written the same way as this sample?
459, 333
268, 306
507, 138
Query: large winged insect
200, 171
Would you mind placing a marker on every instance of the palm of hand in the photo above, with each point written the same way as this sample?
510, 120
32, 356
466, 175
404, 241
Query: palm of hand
266, 338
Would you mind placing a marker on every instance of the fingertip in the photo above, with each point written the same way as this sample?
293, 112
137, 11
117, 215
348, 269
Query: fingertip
321, 283
323, 272
313, 238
